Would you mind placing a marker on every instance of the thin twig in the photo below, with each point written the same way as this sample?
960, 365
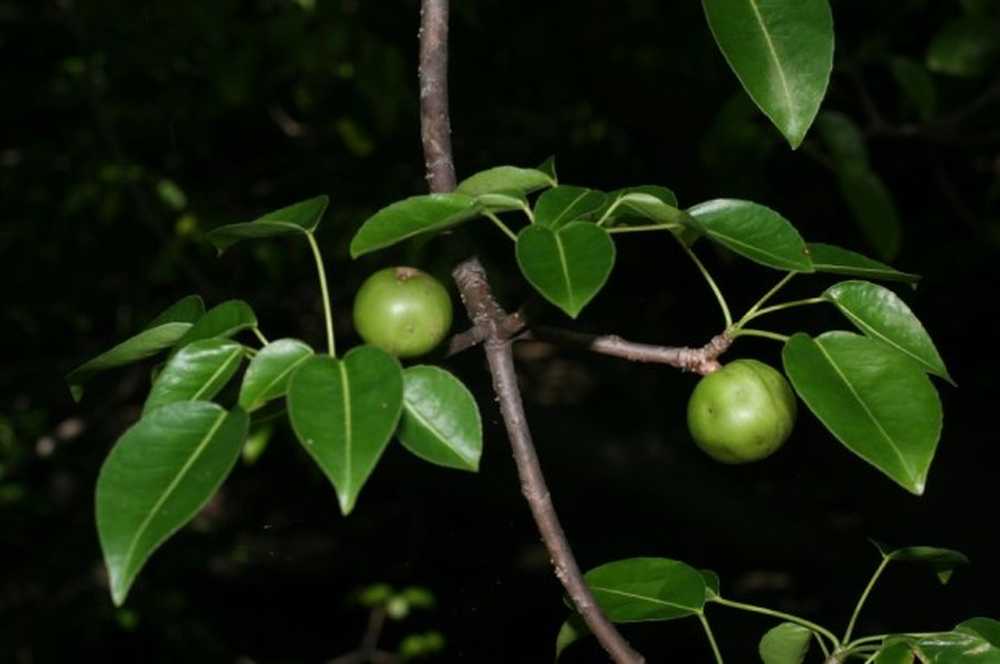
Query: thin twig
435, 123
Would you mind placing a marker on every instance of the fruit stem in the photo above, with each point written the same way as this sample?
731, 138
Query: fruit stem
502, 226
711, 637
864, 596
325, 293
711, 283
640, 229
752, 608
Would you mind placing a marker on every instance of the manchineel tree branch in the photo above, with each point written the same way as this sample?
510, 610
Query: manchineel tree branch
487, 316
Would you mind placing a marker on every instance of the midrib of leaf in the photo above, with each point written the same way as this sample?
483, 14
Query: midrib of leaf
348, 429
218, 372
444, 441
864, 406
774, 54
171, 487
749, 247
568, 208
565, 271
875, 333
644, 598
282, 374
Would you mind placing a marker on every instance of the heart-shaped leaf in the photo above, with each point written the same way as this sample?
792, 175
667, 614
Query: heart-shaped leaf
185, 310
942, 561
874, 400
269, 371
569, 266
411, 217
159, 474
872, 207
835, 260
782, 52
223, 320
195, 373
754, 231
440, 422
641, 589
882, 315
506, 178
344, 411
787, 643
302, 217
559, 206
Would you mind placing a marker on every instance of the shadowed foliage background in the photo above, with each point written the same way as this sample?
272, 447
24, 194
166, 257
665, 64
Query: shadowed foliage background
132, 128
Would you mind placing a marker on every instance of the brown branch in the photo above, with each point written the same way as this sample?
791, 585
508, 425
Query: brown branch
435, 125
489, 318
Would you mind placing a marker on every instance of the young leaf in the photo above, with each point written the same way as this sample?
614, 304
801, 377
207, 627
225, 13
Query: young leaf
559, 206
782, 52
302, 217
711, 584
872, 207
754, 231
344, 411
159, 474
942, 561
835, 260
569, 266
650, 204
257, 441
882, 315
506, 178
572, 630
195, 373
185, 310
223, 320
641, 589
503, 201
874, 400
440, 421
267, 376
411, 217
788, 643
967, 47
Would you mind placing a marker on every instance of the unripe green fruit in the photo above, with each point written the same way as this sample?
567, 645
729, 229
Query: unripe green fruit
742, 412
403, 311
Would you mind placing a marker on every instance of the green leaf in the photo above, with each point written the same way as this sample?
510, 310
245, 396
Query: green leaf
195, 373
782, 52
267, 376
569, 266
882, 315
223, 320
942, 561
641, 589
753, 231
185, 310
916, 85
559, 206
572, 630
967, 46
896, 652
874, 400
257, 441
549, 168
504, 201
159, 474
711, 584
843, 138
649, 203
344, 412
302, 217
986, 628
835, 260
787, 643
964, 645
872, 207
507, 178
440, 421
411, 217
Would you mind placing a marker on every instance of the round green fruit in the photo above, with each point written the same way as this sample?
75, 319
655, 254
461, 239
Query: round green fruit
742, 412
403, 311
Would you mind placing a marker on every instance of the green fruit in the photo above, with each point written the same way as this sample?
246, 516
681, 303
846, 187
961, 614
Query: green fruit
403, 311
742, 412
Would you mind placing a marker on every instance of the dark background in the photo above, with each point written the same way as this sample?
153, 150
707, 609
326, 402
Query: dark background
249, 106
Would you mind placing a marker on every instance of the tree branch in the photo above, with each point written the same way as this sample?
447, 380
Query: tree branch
435, 124
489, 318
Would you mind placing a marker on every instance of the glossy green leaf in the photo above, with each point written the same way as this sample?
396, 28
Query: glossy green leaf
961, 646
872, 208
440, 421
267, 376
641, 589
788, 643
569, 266
895, 652
843, 138
782, 52
917, 86
506, 178
753, 231
882, 315
560, 205
504, 201
302, 217
159, 474
942, 561
223, 320
835, 260
185, 310
711, 584
572, 630
874, 400
648, 204
986, 628
411, 217
344, 412
195, 373
967, 46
